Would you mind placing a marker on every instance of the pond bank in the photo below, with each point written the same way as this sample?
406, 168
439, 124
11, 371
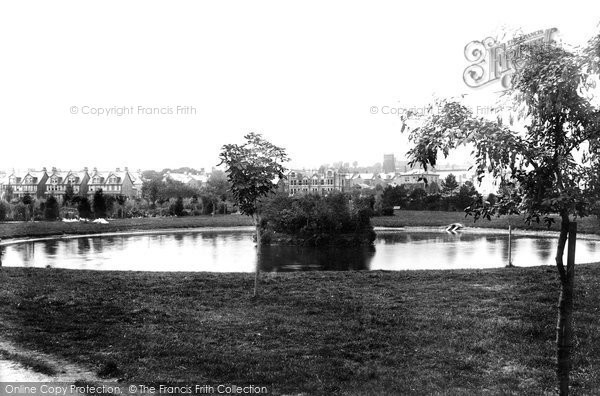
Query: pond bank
422, 332
402, 218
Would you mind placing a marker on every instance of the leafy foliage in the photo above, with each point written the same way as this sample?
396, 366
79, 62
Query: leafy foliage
252, 169
316, 219
99, 204
51, 209
550, 165
449, 185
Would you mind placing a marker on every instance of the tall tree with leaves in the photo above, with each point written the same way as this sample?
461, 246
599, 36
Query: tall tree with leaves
252, 169
549, 165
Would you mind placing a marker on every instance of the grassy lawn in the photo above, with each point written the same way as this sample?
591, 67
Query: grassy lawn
47, 228
421, 332
416, 218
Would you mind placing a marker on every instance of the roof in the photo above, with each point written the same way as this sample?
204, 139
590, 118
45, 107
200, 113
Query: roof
418, 172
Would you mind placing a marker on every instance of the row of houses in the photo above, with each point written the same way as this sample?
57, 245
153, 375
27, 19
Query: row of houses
41, 184
302, 182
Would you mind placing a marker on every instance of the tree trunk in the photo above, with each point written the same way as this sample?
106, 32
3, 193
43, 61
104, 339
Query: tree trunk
564, 327
258, 251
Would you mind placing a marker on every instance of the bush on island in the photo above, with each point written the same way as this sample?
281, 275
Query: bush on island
317, 220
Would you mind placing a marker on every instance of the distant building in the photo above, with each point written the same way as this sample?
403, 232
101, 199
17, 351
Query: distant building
389, 163
192, 180
114, 183
418, 178
57, 182
315, 182
28, 182
462, 175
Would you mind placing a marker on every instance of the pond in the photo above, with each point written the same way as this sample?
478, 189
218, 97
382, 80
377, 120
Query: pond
233, 250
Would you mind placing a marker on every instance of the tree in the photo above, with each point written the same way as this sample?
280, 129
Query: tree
550, 165
467, 194
51, 209
252, 170
8, 194
176, 208
69, 194
151, 190
83, 207
449, 185
28, 202
99, 204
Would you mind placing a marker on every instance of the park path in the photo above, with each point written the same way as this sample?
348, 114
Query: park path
65, 371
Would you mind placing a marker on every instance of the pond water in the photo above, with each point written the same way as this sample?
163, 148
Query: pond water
235, 251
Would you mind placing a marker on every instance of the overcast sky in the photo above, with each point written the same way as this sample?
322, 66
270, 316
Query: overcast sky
305, 74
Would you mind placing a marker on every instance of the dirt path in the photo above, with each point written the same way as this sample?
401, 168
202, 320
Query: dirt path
19, 364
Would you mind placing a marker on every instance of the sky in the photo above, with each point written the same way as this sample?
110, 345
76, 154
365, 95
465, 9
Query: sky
151, 85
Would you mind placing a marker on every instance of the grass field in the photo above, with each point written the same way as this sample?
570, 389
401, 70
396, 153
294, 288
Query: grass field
326, 333
49, 228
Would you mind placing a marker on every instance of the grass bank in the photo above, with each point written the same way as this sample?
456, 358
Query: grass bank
49, 228
416, 218
420, 332
401, 218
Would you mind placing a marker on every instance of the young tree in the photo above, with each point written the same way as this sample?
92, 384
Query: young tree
549, 165
252, 170
99, 204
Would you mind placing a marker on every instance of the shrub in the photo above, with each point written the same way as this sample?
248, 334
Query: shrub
387, 211
317, 220
19, 212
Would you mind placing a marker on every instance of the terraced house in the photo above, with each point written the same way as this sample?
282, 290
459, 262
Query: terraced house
57, 183
114, 183
29, 182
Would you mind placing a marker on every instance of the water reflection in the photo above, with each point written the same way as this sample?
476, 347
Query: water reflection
234, 251
300, 258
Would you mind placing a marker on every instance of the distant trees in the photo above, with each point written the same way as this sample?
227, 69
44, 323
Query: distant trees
394, 196
4, 208
51, 209
28, 202
83, 207
69, 194
99, 204
177, 207
449, 185
8, 195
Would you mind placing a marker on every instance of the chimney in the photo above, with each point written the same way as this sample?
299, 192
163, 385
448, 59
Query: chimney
53, 169
126, 169
118, 169
44, 169
85, 169
95, 169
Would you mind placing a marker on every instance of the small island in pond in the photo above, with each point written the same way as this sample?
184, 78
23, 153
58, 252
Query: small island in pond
315, 220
